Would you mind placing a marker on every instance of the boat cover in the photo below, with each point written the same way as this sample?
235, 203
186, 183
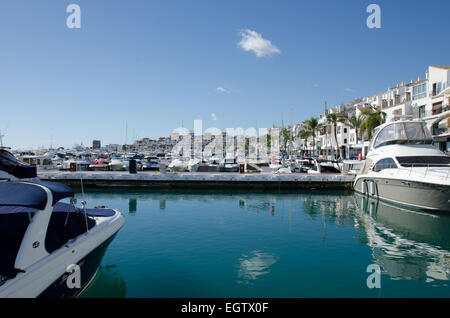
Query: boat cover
28, 194
64, 207
58, 208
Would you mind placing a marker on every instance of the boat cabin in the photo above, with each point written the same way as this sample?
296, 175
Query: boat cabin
413, 148
402, 132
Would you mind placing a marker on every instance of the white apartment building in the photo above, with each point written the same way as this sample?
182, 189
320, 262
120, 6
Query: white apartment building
427, 99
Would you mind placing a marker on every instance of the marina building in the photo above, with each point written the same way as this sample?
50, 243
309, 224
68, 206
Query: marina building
96, 144
426, 98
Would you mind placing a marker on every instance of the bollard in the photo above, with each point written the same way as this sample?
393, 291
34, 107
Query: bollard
133, 166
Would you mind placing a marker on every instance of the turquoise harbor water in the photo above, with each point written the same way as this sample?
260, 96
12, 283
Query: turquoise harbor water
311, 244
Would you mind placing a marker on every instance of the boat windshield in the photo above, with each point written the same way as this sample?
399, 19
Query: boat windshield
403, 133
424, 161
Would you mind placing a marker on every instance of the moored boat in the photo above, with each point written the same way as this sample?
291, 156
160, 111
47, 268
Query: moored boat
43, 242
152, 164
404, 167
116, 164
99, 166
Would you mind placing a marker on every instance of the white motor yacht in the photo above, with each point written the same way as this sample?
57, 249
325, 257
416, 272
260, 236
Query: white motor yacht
117, 164
152, 164
42, 162
352, 166
404, 167
230, 165
75, 164
318, 166
178, 165
193, 164
49, 248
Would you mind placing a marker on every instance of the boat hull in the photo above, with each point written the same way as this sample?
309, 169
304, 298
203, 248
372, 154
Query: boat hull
413, 194
234, 168
99, 167
150, 168
116, 168
88, 268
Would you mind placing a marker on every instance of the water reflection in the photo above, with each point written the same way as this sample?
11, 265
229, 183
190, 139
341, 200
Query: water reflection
406, 244
132, 205
108, 283
252, 266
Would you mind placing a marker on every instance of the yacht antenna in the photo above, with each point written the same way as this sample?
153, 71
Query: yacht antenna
126, 132
83, 204
292, 117
1, 139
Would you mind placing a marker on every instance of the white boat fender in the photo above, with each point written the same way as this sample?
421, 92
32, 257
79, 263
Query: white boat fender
372, 187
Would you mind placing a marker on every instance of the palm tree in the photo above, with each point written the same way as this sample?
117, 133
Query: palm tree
353, 122
313, 125
371, 119
304, 134
286, 138
334, 119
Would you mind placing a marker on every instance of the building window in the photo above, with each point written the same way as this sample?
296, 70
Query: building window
421, 112
398, 112
437, 108
439, 88
345, 130
420, 91
345, 141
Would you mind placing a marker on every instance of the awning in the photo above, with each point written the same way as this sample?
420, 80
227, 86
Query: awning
356, 146
442, 138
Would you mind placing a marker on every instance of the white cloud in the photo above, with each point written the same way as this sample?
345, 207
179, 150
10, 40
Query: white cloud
253, 41
221, 89
214, 116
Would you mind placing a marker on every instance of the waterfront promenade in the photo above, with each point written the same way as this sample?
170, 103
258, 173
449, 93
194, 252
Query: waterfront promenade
208, 180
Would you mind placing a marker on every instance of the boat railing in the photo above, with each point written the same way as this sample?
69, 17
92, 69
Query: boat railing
442, 173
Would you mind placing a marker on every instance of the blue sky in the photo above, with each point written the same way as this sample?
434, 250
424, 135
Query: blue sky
154, 64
